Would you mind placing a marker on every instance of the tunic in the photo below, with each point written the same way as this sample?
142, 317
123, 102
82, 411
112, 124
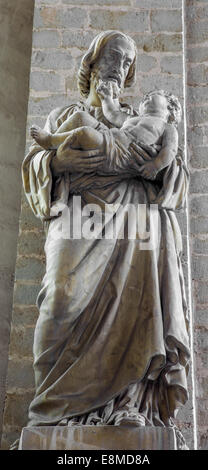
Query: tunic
112, 330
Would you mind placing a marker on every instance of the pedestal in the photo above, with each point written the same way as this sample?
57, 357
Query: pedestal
97, 438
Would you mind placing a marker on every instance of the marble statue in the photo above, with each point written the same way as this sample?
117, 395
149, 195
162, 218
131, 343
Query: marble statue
151, 127
111, 344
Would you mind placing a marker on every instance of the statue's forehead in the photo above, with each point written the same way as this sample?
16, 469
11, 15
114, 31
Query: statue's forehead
120, 44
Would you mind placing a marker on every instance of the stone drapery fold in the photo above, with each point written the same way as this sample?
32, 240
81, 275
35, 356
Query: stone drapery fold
111, 337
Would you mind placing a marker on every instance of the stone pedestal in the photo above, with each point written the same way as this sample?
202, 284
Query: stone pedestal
97, 438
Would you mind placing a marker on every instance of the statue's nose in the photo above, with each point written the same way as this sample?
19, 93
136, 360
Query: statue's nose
118, 68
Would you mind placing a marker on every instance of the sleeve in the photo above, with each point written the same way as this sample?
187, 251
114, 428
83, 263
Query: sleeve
175, 185
36, 172
174, 177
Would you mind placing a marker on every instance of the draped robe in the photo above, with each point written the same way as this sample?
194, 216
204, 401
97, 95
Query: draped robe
112, 329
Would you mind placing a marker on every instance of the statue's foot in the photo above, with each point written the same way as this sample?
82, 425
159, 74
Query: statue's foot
42, 137
68, 422
130, 418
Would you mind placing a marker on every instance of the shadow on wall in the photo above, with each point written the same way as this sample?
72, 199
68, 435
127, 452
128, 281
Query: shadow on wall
16, 20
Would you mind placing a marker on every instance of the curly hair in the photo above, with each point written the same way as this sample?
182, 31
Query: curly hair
93, 53
174, 106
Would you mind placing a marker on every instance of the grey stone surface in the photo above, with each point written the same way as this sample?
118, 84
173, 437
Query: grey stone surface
29, 268
46, 81
166, 20
195, 137
201, 342
15, 38
16, 408
199, 225
201, 362
198, 205
98, 2
44, 105
137, 21
198, 54
97, 437
160, 42
20, 374
52, 60
31, 242
202, 292
49, 38
203, 439
160, 45
197, 94
26, 294
199, 157
157, 3
197, 74
198, 115
163, 81
73, 18
172, 64
25, 315
28, 221
201, 315
200, 246
21, 341
77, 38
51, 17
197, 34
199, 182
146, 62
200, 266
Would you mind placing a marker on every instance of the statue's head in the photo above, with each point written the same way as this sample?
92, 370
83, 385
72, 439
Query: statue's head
173, 106
111, 56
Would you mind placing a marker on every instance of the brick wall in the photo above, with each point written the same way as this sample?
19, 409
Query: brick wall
63, 30
197, 134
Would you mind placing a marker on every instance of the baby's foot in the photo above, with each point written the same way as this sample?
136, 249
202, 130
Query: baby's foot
42, 137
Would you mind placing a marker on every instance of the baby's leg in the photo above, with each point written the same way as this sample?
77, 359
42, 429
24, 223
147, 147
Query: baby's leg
52, 141
83, 138
125, 138
87, 138
78, 119
47, 140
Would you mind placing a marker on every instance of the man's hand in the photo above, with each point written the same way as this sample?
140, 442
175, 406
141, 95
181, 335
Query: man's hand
76, 161
149, 171
144, 150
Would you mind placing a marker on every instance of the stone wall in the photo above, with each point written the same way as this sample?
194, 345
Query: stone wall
197, 134
16, 39
63, 29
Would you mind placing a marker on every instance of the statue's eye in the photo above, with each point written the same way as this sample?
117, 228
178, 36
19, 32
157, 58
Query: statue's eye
127, 63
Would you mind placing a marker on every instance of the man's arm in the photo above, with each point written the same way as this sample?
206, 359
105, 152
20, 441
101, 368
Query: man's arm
75, 161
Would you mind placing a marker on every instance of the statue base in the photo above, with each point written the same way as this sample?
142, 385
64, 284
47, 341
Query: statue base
97, 438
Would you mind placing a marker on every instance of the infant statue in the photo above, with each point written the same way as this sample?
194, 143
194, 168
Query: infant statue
155, 126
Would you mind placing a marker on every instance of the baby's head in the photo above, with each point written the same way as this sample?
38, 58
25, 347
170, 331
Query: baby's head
162, 101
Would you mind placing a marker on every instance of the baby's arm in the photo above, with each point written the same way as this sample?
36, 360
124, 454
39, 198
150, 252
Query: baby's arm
111, 112
169, 148
165, 156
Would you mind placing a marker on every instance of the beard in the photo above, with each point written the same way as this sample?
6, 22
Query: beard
98, 80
